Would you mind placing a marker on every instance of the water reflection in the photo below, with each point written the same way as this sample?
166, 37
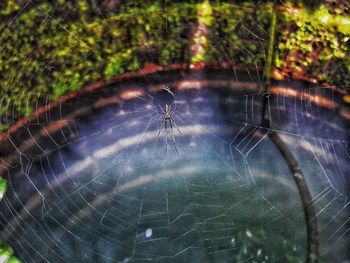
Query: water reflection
109, 193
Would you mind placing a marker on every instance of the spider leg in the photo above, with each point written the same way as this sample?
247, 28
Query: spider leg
161, 124
172, 135
166, 136
175, 125
166, 123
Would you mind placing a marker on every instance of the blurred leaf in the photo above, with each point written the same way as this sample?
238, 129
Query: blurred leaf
13, 259
3, 187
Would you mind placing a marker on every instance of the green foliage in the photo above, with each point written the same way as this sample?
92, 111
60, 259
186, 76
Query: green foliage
315, 44
120, 62
2, 187
63, 86
10, 6
3, 127
115, 66
229, 39
44, 57
205, 13
6, 254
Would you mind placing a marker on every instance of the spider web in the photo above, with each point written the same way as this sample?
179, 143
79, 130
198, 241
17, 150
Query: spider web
102, 189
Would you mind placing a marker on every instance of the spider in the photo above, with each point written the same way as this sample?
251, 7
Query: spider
167, 118
167, 89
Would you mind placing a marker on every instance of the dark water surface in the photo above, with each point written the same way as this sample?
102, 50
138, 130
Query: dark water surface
115, 191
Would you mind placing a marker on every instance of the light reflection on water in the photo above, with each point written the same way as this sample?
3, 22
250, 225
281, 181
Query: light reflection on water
115, 196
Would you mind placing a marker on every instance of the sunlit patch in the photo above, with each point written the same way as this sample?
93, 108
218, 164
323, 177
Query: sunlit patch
133, 123
346, 98
55, 126
283, 90
121, 112
318, 100
189, 84
345, 21
106, 101
129, 168
149, 178
233, 241
276, 74
305, 145
199, 99
148, 232
321, 101
147, 136
345, 114
248, 233
307, 114
5, 258
290, 9
131, 94
324, 19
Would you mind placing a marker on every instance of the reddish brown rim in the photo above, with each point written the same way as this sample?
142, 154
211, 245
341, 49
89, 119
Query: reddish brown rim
147, 69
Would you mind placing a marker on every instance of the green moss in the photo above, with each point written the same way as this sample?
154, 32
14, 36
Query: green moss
205, 13
9, 7
75, 82
229, 39
313, 42
50, 57
114, 66
43, 58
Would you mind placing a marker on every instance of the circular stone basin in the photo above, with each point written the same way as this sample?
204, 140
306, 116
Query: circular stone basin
105, 177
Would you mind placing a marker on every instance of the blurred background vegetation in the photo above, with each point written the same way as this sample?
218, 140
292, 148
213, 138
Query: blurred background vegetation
49, 48
6, 252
